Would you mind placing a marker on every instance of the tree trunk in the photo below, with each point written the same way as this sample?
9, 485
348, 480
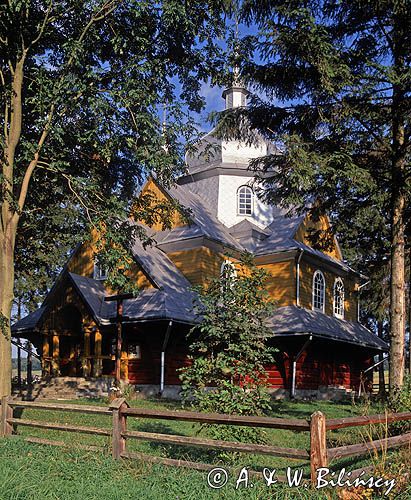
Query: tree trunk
381, 374
6, 300
397, 305
398, 205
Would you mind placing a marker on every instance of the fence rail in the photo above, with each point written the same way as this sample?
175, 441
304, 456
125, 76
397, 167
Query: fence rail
319, 455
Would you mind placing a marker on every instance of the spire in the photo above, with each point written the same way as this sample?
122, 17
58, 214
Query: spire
236, 95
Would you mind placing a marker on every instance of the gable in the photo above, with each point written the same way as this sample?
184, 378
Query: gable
316, 233
63, 296
155, 194
82, 263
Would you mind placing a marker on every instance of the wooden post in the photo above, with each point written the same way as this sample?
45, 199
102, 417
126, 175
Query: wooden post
45, 358
29, 365
6, 412
318, 444
19, 367
98, 362
119, 427
56, 355
119, 320
85, 362
119, 340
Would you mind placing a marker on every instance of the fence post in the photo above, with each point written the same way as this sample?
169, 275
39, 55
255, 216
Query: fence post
6, 412
318, 444
119, 426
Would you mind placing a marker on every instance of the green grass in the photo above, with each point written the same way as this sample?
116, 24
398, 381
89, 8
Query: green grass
34, 472
31, 471
282, 438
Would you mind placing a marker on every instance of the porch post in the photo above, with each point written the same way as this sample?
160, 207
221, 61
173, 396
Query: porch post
119, 339
85, 362
56, 355
45, 361
29, 364
119, 322
19, 366
98, 362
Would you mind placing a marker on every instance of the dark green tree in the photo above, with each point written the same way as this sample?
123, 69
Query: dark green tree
82, 88
229, 346
337, 77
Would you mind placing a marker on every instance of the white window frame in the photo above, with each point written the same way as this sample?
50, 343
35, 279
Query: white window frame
230, 264
225, 287
314, 307
338, 311
99, 273
248, 189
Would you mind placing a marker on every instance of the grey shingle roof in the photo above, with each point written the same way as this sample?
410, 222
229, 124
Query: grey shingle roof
29, 322
160, 269
93, 293
152, 303
248, 234
202, 217
176, 304
294, 320
282, 231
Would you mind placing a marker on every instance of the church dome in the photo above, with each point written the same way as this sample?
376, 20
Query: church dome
218, 171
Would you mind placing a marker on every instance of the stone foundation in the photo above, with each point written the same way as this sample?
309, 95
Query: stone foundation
77, 387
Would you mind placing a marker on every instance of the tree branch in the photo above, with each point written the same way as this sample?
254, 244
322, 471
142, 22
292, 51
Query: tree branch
103, 12
44, 24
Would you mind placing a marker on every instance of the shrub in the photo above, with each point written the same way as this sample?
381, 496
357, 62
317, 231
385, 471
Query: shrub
229, 349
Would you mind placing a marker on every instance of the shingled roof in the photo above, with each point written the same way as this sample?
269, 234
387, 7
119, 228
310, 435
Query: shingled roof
293, 320
204, 221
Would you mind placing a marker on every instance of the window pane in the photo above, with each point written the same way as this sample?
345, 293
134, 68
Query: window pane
245, 201
318, 291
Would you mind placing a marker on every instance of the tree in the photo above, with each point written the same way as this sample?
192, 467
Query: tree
229, 345
339, 76
82, 86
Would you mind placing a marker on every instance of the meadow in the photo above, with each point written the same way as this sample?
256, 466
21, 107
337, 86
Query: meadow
32, 471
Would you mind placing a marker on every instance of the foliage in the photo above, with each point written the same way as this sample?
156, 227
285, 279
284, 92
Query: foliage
399, 400
96, 76
83, 85
229, 348
337, 76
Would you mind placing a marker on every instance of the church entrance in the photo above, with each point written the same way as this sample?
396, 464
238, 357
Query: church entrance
71, 342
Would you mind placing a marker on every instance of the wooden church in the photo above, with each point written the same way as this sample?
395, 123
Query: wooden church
322, 347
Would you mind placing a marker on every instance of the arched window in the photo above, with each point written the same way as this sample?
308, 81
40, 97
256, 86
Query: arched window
228, 274
339, 298
100, 273
318, 291
245, 197
228, 270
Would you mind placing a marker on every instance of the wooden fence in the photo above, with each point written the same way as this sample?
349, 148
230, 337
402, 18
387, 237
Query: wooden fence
319, 455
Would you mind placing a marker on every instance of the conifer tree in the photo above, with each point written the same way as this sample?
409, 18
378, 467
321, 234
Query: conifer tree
338, 80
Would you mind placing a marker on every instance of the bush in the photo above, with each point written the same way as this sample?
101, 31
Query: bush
229, 350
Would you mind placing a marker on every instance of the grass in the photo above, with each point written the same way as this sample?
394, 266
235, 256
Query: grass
29, 471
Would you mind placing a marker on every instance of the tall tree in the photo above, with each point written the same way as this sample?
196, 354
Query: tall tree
81, 87
338, 79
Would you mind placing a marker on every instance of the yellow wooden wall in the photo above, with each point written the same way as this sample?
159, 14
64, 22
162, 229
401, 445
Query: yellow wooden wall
303, 233
152, 188
198, 265
82, 263
307, 271
281, 283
